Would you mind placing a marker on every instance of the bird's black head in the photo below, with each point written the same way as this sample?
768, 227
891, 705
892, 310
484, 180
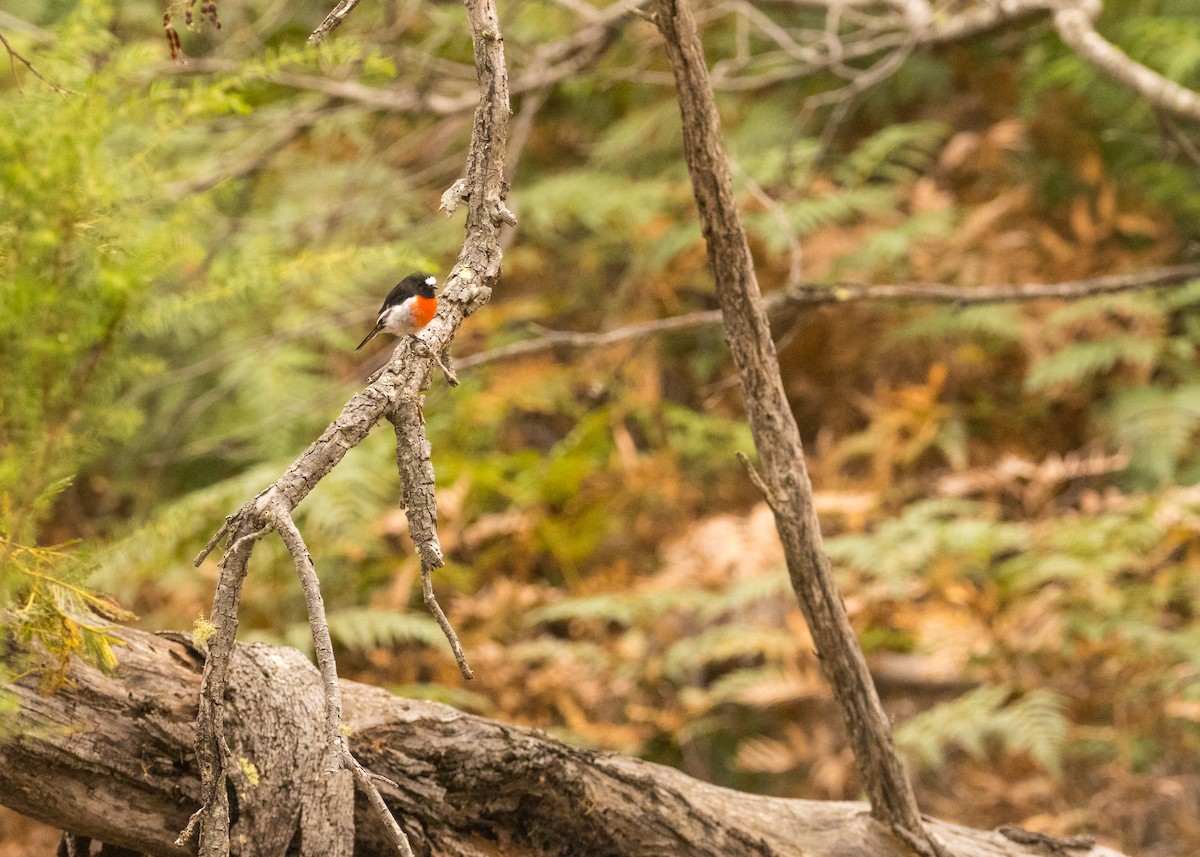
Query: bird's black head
416, 283
422, 284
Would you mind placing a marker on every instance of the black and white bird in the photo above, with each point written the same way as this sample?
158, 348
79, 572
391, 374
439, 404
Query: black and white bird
408, 307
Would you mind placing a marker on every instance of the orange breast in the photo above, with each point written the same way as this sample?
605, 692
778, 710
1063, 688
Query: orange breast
424, 311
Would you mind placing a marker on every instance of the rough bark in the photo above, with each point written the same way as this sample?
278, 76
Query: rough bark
110, 758
777, 438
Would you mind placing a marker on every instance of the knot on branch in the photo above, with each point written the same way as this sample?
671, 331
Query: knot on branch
501, 215
465, 288
430, 551
455, 195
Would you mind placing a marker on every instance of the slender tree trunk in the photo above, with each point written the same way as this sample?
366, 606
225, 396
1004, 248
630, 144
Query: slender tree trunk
776, 435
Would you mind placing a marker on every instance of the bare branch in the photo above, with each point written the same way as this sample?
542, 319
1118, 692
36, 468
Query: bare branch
814, 294
1075, 27
332, 21
777, 437
398, 385
431, 603
1155, 278
419, 501
337, 749
335, 740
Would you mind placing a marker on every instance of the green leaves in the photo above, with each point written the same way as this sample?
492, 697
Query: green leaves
367, 629
58, 617
1080, 362
895, 153
989, 718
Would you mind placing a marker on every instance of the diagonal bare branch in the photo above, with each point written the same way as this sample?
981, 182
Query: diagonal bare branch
469, 287
332, 21
14, 58
785, 479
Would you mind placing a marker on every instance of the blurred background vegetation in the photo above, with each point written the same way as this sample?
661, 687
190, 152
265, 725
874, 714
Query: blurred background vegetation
189, 252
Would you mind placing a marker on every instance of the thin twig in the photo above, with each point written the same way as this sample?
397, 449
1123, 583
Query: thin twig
213, 541
249, 537
1185, 143
812, 294
436, 609
795, 249
445, 362
332, 21
337, 751
419, 501
14, 58
335, 739
767, 494
364, 779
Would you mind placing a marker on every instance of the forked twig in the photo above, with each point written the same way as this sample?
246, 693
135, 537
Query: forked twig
337, 750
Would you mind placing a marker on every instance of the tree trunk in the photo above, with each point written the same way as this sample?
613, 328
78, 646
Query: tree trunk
111, 758
785, 481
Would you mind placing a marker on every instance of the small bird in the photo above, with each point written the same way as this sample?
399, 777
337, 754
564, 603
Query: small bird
407, 308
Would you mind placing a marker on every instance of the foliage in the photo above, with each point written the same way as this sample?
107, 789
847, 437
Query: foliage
188, 255
54, 618
1033, 724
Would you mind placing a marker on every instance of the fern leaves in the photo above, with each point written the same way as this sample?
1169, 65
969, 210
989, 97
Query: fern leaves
989, 718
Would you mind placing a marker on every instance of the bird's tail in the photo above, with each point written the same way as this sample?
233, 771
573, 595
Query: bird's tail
374, 332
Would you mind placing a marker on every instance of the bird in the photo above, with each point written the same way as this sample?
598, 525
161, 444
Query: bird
407, 308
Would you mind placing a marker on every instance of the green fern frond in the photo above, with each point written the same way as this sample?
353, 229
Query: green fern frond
724, 643
999, 322
1081, 361
895, 153
811, 213
1036, 725
889, 249
1033, 724
966, 722
619, 609
366, 628
558, 651
747, 592
755, 687
1157, 426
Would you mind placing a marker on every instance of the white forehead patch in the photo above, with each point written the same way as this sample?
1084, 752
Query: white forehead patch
431, 281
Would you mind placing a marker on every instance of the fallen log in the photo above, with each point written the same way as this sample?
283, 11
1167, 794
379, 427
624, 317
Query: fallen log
110, 757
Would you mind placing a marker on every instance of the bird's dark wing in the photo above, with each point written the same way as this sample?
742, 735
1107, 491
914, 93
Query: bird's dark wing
401, 292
